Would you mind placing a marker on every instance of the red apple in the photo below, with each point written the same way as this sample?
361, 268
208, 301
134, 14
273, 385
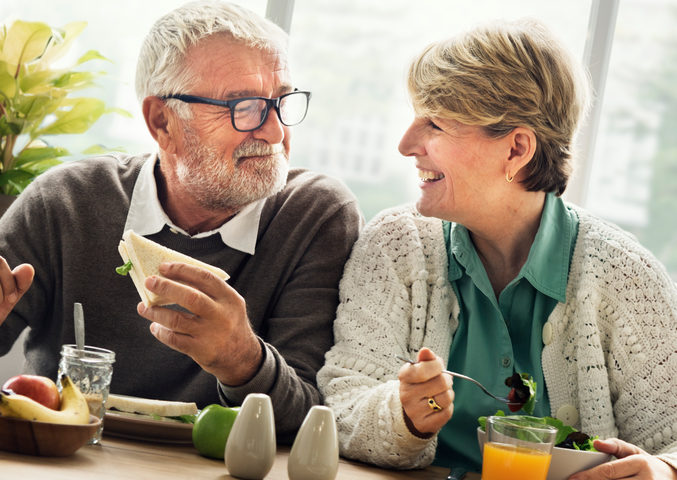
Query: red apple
41, 389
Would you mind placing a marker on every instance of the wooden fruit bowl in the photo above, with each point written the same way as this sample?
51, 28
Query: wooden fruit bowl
44, 439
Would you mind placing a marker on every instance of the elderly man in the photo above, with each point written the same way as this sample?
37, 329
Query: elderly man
218, 99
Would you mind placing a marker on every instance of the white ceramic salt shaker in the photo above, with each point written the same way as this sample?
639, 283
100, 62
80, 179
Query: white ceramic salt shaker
250, 450
315, 453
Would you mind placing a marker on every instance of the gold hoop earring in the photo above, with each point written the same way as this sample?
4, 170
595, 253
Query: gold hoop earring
508, 178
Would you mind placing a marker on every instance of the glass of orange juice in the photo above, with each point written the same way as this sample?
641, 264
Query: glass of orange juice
517, 448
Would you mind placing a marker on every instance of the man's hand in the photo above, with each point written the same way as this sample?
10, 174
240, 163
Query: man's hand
13, 284
633, 462
418, 384
216, 333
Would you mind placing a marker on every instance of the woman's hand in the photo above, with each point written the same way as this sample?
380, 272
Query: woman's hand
418, 384
13, 284
633, 462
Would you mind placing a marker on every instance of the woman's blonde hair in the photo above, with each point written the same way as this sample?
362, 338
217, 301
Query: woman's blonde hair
501, 76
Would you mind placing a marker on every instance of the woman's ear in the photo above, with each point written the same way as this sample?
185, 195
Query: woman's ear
522, 148
157, 117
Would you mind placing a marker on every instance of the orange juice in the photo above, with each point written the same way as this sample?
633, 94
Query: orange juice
510, 462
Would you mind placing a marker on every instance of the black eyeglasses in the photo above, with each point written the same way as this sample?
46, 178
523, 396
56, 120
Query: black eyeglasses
249, 113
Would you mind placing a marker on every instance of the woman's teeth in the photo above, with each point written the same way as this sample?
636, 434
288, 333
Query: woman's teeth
429, 176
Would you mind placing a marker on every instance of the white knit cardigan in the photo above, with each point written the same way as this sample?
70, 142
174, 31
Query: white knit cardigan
609, 357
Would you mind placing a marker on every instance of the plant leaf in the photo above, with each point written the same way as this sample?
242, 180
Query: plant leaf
25, 42
91, 55
119, 111
36, 82
82, 115
42, 166
74, 80
34, 108
39, 154
62, 42
9, 127
16, 179
99, 149
7, 82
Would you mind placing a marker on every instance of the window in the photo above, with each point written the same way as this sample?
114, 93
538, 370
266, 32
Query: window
633, 179
353, 55
116, 30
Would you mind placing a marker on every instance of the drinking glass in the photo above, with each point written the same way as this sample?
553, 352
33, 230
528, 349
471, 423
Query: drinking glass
517, 448
91, 369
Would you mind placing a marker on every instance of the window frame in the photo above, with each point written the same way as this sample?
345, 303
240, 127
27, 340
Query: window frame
598, 44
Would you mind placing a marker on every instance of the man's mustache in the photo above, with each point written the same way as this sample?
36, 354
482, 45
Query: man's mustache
257, 148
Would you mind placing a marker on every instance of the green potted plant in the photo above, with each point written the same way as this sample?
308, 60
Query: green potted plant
36, 100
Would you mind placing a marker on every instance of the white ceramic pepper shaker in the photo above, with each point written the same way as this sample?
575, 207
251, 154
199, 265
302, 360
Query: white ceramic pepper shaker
250, 450
315, 453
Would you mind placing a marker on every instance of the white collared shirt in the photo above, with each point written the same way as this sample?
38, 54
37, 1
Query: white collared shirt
147, 217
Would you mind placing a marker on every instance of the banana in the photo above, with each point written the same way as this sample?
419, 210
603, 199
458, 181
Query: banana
74, 409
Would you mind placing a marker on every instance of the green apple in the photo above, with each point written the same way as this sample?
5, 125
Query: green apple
211, 429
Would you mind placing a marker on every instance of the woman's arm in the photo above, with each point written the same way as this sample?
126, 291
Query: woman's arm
375, 322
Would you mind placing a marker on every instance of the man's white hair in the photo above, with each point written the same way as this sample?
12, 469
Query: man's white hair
161, 66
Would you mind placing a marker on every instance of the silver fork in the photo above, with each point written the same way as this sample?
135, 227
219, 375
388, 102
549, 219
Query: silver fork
465, 377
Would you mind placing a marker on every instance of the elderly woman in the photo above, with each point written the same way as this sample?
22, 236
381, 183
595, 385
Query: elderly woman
493, 273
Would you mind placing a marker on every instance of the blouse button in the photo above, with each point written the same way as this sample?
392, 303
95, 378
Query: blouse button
506, 362
568, 414
547, 333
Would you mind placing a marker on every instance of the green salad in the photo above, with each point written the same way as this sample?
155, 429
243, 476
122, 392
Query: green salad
523, 394
567, 436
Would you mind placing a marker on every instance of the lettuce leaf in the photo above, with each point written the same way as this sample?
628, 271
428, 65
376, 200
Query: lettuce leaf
124, 269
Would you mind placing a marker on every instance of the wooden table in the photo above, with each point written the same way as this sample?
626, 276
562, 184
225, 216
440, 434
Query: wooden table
118, 458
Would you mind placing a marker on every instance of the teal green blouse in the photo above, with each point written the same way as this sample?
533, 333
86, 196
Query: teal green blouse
499, 336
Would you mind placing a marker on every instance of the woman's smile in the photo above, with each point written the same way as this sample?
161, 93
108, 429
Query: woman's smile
429, 176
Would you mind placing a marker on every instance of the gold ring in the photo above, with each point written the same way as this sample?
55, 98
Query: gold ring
433, 404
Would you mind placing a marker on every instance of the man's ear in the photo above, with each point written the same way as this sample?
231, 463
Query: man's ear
158, 121
522, 149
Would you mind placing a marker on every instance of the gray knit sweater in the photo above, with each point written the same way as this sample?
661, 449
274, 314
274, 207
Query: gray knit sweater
68, 223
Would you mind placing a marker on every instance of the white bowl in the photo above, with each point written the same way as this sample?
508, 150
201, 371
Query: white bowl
565, 461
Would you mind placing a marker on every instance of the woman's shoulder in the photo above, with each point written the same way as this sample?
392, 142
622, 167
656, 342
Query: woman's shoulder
598, 235
395, 221
404, 236
610, 252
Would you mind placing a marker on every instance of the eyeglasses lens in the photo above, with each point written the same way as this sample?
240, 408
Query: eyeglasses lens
293, 108
250, 114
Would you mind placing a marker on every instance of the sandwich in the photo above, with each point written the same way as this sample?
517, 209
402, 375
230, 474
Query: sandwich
142, 259
138, 407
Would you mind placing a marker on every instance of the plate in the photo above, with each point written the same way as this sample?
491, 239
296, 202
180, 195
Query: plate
141, 427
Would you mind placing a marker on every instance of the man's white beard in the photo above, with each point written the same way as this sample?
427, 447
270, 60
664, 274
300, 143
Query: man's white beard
226, 184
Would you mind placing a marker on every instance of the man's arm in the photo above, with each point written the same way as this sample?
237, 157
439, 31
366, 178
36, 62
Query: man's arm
283, 360
299, 330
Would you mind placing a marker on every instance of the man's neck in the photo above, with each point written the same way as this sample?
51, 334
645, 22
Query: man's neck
184, 211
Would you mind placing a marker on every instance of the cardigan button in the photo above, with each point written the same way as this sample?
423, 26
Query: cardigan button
568, 415
547, 333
